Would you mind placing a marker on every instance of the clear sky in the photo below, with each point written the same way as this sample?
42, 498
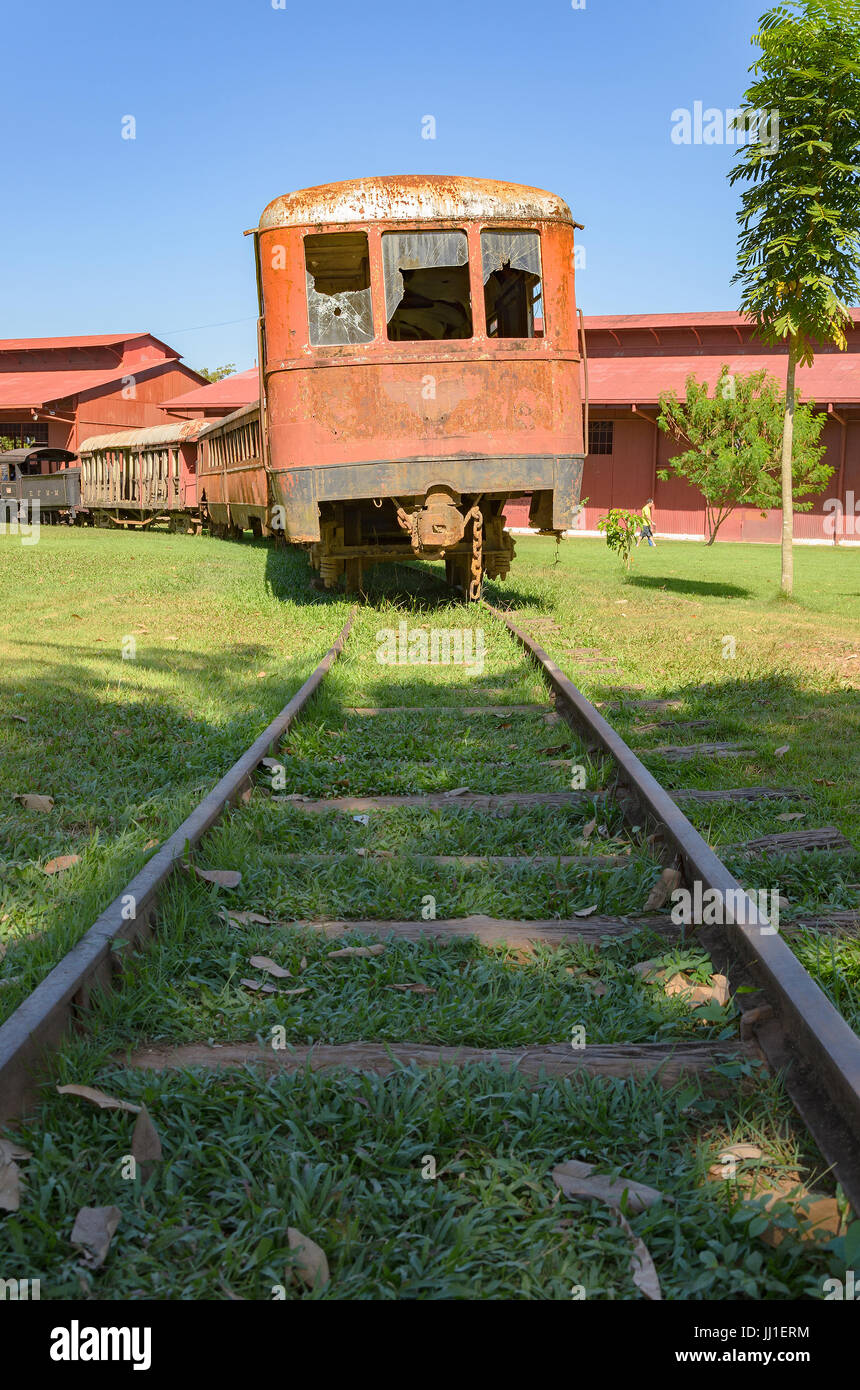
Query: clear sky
236, 102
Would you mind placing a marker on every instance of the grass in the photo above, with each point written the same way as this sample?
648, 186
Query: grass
340, 1156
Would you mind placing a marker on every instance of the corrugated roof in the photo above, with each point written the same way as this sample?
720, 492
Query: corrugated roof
94, 340
177, 432
621, 380
229, 393
413, 198
26, 389
719, 318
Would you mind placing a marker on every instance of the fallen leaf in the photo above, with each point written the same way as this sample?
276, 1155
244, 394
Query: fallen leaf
642, 1266
257, 986
412, 989
666, 884
21, 718
272, 763
585, 911
303, 989
362, 820
32, 802
58, 866
589, 829
310, 1264
99, 1098
10, 1185
357, 951
9, 1151
579, 1180
456, 791
245, 919
145, 1143
303, 963
93, 1232
824, 782
780, 752
725, 1167
792, 815
151, 844
802, 1215
225, 878
271, 967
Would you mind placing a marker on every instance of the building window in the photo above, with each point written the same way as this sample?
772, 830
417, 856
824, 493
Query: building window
600, 436
23, 435
512, 283
426, 285
337, 267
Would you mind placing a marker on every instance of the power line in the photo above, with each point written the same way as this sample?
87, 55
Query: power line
228, 323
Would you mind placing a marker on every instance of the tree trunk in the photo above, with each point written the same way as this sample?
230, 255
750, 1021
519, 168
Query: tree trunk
787, 492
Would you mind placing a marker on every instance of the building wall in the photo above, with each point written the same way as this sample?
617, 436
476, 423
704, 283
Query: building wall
108, 410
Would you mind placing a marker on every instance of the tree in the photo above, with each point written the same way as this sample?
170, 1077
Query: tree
620, 528
216, 373
800, 217
735, 439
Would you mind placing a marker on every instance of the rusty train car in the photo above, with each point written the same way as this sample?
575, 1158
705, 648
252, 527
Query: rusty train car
419, 356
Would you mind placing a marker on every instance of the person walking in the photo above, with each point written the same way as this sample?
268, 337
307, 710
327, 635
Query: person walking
647, 532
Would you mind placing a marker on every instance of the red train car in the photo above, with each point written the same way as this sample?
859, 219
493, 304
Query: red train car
419, 353
136, 477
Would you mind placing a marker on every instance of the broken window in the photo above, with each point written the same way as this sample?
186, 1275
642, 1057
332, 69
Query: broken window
512, 283
338, 283
427, 285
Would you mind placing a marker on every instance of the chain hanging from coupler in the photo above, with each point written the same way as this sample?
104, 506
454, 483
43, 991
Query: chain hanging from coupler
477, 561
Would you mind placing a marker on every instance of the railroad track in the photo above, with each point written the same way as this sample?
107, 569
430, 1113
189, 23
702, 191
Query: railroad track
786, 1024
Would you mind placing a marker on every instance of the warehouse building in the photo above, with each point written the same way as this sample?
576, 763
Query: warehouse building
60, 391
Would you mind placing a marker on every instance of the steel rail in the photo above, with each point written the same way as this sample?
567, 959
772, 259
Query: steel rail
42, 1020
829, 1051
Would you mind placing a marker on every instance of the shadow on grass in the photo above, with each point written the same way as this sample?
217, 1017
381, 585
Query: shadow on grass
704, 587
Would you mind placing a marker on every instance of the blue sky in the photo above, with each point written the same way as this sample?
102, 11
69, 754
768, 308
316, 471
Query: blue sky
236, 102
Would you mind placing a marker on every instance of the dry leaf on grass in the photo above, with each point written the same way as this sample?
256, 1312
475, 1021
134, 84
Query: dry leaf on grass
310, 1264
666, 884
781, 752
245, 919
258, 987
729, 1158
9, 1151
270, 966
10, 1185
225, 878
357, 951
99, 1098
589, 829
580, 1180
456, 791
21, 718
411, 989
151, 844
93, 1232
801, 1214
145, 1143
792, 815
642, 1266
59, 866
31, 802
585, 911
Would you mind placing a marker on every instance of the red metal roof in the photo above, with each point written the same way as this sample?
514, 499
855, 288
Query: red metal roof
626, 380
719, 318
27, 389
228, 394
96, 340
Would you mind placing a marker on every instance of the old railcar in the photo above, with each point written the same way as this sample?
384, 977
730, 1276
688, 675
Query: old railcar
420, 362
233, 487
136, 477
30, 478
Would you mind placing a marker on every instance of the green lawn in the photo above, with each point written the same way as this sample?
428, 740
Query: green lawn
125, 747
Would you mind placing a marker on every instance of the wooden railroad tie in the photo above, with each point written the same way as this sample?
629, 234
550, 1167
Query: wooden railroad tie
791, 840
491, 931
685, 752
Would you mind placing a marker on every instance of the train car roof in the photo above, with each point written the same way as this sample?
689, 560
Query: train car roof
414, 198
176, 432
37, 451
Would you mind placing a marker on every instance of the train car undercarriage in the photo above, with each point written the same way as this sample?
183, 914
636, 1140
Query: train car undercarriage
468, 532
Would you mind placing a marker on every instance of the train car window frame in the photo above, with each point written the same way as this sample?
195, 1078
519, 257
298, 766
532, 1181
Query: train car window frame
518, 302
411, 314
338, 317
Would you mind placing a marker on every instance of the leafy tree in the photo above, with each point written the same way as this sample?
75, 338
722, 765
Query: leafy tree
800, 216
620, 528
735, 439
216, 373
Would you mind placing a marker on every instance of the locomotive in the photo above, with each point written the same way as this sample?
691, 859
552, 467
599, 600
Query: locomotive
419, 365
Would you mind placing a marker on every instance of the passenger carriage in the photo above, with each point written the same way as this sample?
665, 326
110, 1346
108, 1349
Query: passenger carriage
419, 361
136, 477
